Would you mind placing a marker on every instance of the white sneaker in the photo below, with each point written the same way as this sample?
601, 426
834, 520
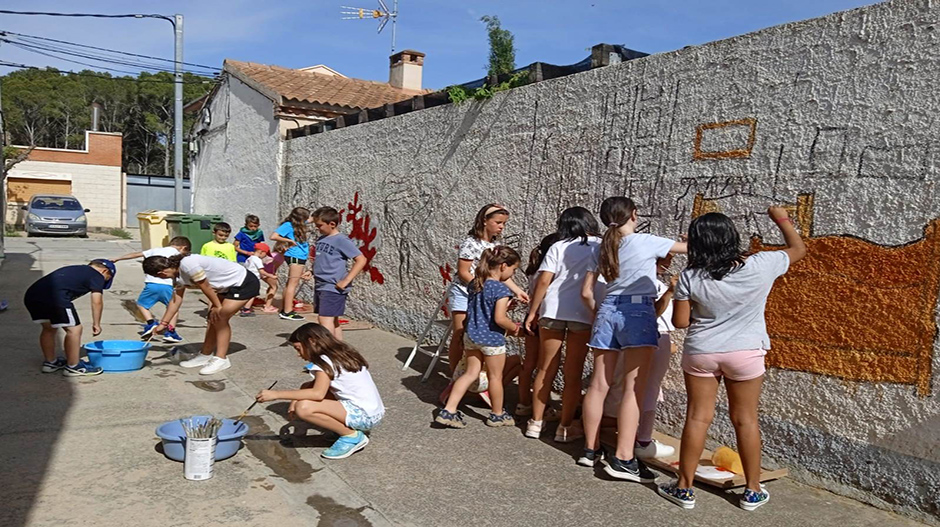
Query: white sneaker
533, 429
197, 361
652, 450
567, 434
215, 366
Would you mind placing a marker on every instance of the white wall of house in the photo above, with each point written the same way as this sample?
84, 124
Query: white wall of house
97, 187
235, 171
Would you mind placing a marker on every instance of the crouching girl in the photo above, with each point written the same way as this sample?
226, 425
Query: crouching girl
342, 397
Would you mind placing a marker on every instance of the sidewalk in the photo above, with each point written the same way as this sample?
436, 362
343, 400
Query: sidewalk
82, 451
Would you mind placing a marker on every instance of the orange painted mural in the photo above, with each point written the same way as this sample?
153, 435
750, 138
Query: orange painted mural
852, 308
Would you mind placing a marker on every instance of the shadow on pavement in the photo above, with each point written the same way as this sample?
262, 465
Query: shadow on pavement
36, 404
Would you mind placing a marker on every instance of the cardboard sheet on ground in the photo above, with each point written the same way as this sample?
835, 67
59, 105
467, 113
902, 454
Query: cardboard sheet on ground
705, 473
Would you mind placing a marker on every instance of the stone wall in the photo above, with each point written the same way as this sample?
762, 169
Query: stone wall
835, 117
236, 170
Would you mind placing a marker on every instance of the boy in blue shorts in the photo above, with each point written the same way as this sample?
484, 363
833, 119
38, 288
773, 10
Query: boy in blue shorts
332, 280
158, 290
49, 302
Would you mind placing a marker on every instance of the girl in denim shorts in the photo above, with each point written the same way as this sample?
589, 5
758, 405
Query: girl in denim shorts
293, 232
721, 297
625, 323
488, 323
341, 398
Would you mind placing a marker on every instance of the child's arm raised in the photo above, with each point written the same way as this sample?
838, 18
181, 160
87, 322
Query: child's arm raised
359, 263
128, 256
321, 386
97, 305
541, 287
796, 249
587, 291
502, 319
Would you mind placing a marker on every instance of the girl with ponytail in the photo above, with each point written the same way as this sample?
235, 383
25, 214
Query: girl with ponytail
293, 232
228, 287
625, 323
484, 340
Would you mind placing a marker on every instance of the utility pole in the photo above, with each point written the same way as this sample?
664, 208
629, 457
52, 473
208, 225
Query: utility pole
178, 115
3, 181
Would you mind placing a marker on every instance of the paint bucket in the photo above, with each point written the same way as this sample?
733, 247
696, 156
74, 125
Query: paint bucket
200, 456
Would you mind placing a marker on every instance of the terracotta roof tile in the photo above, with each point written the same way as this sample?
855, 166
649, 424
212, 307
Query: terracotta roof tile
315, 88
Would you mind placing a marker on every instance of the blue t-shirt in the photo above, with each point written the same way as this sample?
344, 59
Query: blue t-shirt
481, 314
63, 285
301, 250
247, 243
329, 266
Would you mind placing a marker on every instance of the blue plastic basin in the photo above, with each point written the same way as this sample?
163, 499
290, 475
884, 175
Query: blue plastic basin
117, 355
174, 439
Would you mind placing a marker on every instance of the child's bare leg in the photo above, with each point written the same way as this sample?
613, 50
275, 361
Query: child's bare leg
628, 417
549, 359
47, 341
463, 383
145, 313
327, 414
532, 346
209, 341
223, 330
494, 368
700, 410
455, 350
293, 280
272, 292
743, 397
73, 344
592, 412
511, 369
575, 352
332, 324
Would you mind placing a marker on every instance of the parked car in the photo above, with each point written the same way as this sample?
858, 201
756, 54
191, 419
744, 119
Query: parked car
51, 214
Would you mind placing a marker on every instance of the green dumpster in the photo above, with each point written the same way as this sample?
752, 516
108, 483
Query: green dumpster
196, 227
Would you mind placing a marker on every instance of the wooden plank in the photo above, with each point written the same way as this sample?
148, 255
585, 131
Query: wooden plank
671, 463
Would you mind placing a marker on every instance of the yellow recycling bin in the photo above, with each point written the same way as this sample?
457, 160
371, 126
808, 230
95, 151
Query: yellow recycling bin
153, 230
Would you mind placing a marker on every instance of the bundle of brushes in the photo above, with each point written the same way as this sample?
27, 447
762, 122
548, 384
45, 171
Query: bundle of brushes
196, 430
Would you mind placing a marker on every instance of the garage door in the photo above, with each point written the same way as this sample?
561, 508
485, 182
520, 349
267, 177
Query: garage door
21, 189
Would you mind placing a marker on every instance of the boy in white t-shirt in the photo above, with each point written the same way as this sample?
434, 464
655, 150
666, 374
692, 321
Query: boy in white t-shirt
255, 266
158, 290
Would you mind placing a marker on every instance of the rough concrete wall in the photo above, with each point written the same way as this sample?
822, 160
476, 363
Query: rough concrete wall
834, 117
236, 171
97, 187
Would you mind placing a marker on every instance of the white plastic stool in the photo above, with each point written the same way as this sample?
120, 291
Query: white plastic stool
432, 321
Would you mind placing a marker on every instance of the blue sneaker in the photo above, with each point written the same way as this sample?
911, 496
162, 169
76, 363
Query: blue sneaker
172, 336
83, 368
684, 498
54, 366
503, 419
751, 500
346, 446
452, 420
148, 328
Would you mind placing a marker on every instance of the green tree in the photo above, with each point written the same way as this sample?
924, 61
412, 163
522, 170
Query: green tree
502, 50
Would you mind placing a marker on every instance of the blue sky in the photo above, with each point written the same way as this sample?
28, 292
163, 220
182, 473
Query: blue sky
295, 33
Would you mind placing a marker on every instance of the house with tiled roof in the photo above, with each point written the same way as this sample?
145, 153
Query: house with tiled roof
236, 144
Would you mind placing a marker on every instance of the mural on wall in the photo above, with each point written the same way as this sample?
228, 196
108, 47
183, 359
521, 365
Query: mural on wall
363, 231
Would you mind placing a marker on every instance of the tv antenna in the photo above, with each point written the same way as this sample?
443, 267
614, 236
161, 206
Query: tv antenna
383, 13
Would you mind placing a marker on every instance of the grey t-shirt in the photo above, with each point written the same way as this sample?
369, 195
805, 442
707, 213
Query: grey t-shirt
638, 254
329, 265
728, 314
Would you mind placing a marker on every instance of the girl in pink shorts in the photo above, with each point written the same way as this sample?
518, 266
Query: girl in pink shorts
720, 298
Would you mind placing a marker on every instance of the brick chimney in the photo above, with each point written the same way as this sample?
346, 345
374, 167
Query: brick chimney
404, 69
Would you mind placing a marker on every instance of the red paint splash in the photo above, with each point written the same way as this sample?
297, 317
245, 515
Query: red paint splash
365, 233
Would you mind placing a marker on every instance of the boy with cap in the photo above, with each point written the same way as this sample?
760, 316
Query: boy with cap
49, 302
256, 266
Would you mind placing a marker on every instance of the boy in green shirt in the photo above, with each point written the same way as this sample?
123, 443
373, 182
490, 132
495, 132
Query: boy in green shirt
220, 248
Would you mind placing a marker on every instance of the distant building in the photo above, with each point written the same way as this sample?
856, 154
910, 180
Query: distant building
237, 143
93, 175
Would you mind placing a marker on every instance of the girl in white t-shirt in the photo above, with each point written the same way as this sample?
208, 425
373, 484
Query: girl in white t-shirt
342, 396
563, 319
487, 227
228, 287
625, 323
532, 345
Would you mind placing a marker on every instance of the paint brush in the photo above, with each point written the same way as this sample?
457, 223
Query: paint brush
242, 416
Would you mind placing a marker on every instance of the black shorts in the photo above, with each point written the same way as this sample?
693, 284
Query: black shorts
58, 316
295, 261
248, 289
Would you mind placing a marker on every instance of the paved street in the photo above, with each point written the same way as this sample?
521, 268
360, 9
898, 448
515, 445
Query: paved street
83, 451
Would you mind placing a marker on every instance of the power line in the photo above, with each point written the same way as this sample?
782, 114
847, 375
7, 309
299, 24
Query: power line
15, 65
108, 50
40, 49
86, 15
